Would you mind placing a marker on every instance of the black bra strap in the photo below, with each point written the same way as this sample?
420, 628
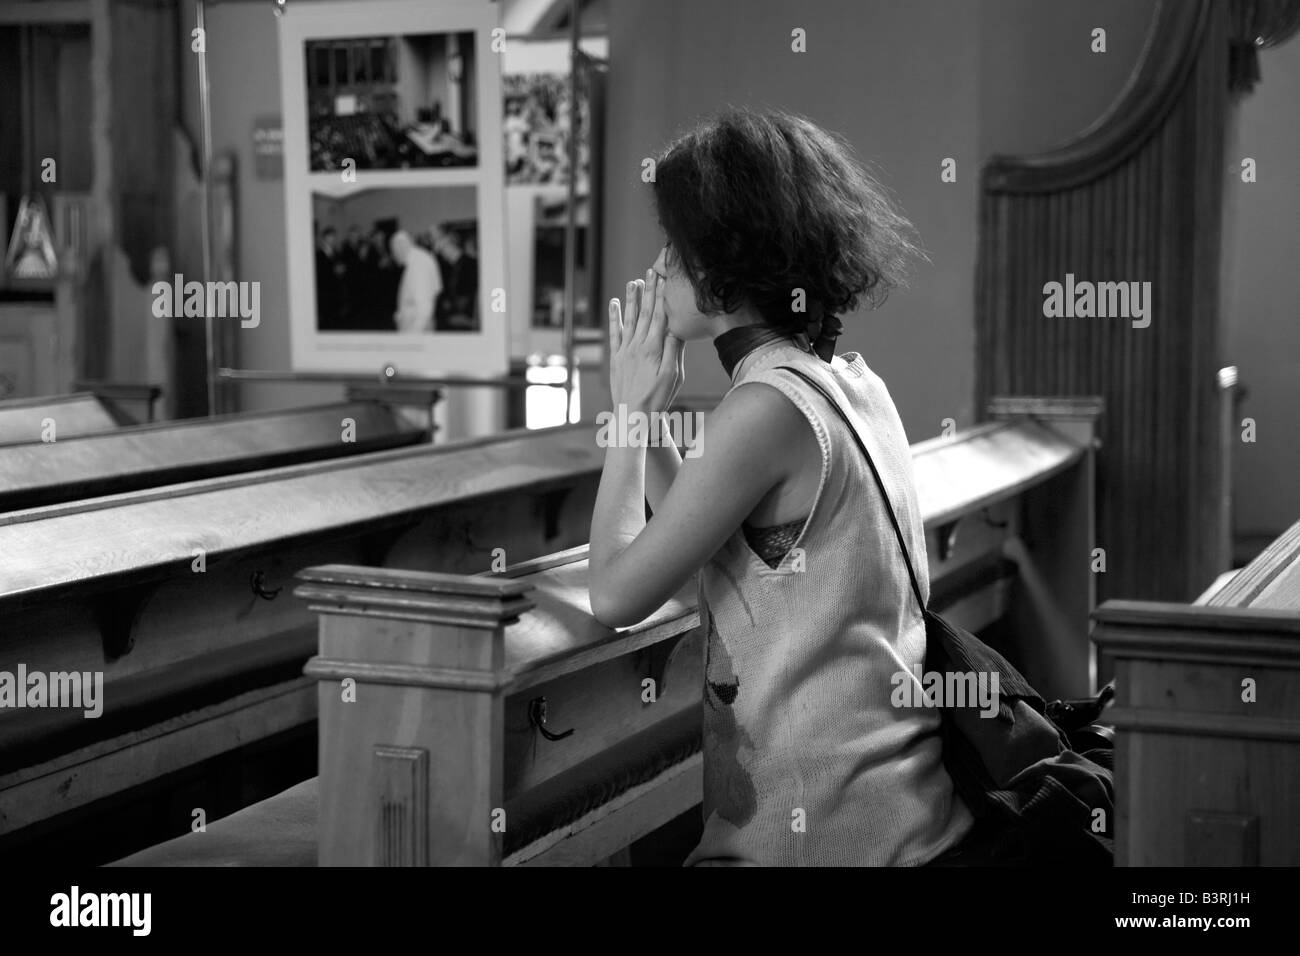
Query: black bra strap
889, 508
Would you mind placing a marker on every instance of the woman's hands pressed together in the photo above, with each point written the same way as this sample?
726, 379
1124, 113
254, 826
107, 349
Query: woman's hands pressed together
646, 361
636, 564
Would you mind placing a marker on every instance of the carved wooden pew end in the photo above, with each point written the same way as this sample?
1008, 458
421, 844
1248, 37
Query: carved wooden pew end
1207, 718
418, 673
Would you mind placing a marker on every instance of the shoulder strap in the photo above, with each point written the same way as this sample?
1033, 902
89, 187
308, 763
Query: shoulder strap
889, 508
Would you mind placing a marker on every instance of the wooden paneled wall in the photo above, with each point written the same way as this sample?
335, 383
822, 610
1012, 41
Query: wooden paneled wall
1135, 198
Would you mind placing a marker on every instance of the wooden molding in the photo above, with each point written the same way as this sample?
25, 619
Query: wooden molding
404, 675
544, 563
1152, 91
1204, 618
1201, 724
468, 600
400, 784
1064, 407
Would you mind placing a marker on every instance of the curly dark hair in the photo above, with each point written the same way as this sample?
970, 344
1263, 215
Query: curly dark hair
755, 205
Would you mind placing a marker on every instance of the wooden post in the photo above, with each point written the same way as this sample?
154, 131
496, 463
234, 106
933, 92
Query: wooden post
1227, 384
1207, 743
411, 677
1058, 587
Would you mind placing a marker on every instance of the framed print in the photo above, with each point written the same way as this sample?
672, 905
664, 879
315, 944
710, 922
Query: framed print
397, 259
394, 187
550, 218
538, 130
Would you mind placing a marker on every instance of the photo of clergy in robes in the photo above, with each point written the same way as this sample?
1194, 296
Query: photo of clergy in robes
419, 288
397, 260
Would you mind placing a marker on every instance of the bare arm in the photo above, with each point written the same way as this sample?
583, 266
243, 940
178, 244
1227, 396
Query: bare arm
662, 464
637, 565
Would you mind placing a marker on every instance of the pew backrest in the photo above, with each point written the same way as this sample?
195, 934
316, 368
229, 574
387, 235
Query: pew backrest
36, 419
34, 474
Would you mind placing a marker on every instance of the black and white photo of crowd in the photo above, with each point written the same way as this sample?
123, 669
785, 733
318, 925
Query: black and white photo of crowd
536, 124
390, 261
405, 102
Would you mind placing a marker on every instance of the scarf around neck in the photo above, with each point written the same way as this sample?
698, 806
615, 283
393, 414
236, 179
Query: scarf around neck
734, 344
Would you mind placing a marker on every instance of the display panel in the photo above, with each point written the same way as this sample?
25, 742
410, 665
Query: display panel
394, 196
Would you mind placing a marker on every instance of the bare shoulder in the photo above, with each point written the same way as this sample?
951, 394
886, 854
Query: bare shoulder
758, 421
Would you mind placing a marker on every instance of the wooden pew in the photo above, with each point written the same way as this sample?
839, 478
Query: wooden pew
34, 474
470, 662
132, 403
81, 413
435, 689
1207, 718
172, 594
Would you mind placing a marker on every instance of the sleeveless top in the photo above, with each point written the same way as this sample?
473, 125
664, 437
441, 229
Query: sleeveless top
805, 760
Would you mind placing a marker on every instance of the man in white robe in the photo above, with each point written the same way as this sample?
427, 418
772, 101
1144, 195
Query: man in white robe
420, 285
